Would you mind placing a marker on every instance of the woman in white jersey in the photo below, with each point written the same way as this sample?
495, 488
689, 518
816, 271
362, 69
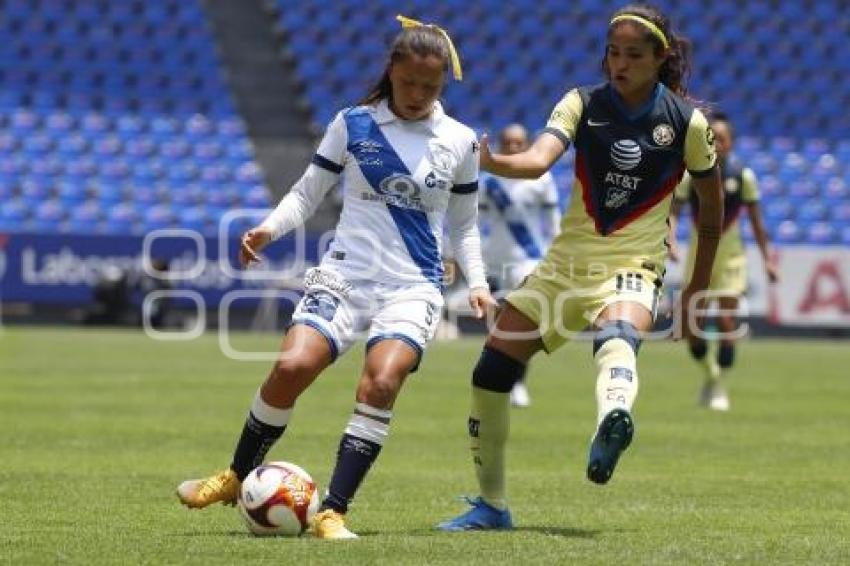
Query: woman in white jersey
521, 216
406, 168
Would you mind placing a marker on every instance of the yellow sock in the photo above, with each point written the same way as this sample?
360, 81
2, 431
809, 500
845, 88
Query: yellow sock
617, 378
489, 423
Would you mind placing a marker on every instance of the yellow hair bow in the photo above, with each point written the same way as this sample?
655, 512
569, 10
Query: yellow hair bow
411, 23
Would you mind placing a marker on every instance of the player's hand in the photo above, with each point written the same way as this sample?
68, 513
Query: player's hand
253, 241
481, 301
485, 158
674, 251
688, 304
771, 268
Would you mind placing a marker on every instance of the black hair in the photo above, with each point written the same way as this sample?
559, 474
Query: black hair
420, 40
676, 69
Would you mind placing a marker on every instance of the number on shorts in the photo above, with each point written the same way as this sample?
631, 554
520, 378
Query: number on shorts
629, 282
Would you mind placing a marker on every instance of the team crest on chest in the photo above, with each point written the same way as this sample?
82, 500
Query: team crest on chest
663, 134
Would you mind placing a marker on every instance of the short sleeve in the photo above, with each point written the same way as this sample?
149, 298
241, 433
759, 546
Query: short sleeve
330, 154
466, 175
700, 155
548, 190
750, 188
563, 122
683, 189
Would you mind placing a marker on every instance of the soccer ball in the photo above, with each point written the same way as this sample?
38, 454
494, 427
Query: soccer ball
278, 498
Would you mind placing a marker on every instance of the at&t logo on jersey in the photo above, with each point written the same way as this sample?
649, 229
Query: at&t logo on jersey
625, 154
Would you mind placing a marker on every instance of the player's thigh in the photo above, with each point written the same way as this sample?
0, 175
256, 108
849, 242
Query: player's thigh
408, 315
632, 296
514, 334
334, 307
305, 350
634, 313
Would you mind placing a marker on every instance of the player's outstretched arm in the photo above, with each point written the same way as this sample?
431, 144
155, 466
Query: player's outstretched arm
529, 164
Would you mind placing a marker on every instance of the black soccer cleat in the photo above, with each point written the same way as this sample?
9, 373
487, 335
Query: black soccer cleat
612, 437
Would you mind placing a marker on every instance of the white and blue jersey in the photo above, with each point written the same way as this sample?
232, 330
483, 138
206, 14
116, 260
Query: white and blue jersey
521, 216
400, 180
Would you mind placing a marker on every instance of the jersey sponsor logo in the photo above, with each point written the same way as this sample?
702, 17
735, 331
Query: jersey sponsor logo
432, 181
619, 189
663, 134
593, 123
616, 197
400, 186
368, 146
625, 154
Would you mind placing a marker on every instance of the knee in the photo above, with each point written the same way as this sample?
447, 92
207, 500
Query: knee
617, 330
496, 371
379, 390
289, 369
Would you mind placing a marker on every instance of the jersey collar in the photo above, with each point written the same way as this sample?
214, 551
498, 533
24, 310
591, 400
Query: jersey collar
643, 110
383, 115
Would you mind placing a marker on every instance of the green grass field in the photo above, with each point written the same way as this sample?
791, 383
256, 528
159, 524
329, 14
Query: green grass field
98, 426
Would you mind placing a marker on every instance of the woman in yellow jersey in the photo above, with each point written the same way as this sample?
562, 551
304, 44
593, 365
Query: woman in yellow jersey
635, 135
729, 275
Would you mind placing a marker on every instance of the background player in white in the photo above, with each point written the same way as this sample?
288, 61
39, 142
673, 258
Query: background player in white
406, 167
521, 217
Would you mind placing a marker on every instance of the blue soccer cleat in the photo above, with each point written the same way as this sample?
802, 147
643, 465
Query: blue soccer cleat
482, 517
612, 437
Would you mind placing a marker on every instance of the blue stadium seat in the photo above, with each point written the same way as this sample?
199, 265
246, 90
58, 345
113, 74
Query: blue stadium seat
822, 233
788, 232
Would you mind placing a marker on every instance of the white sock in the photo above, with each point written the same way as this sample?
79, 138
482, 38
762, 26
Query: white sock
369, 423
267, 414
617, 378
489, 424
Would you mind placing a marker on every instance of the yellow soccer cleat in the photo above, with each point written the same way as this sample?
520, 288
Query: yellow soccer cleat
197, 494
330, 525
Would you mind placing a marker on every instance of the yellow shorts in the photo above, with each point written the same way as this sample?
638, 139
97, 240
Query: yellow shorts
563, 306
728, 276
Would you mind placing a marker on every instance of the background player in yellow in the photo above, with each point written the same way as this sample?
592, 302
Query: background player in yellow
634, 135
729, 274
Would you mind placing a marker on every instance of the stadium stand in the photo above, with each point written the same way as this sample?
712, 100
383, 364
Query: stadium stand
115, 116
115, 119
786, 98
